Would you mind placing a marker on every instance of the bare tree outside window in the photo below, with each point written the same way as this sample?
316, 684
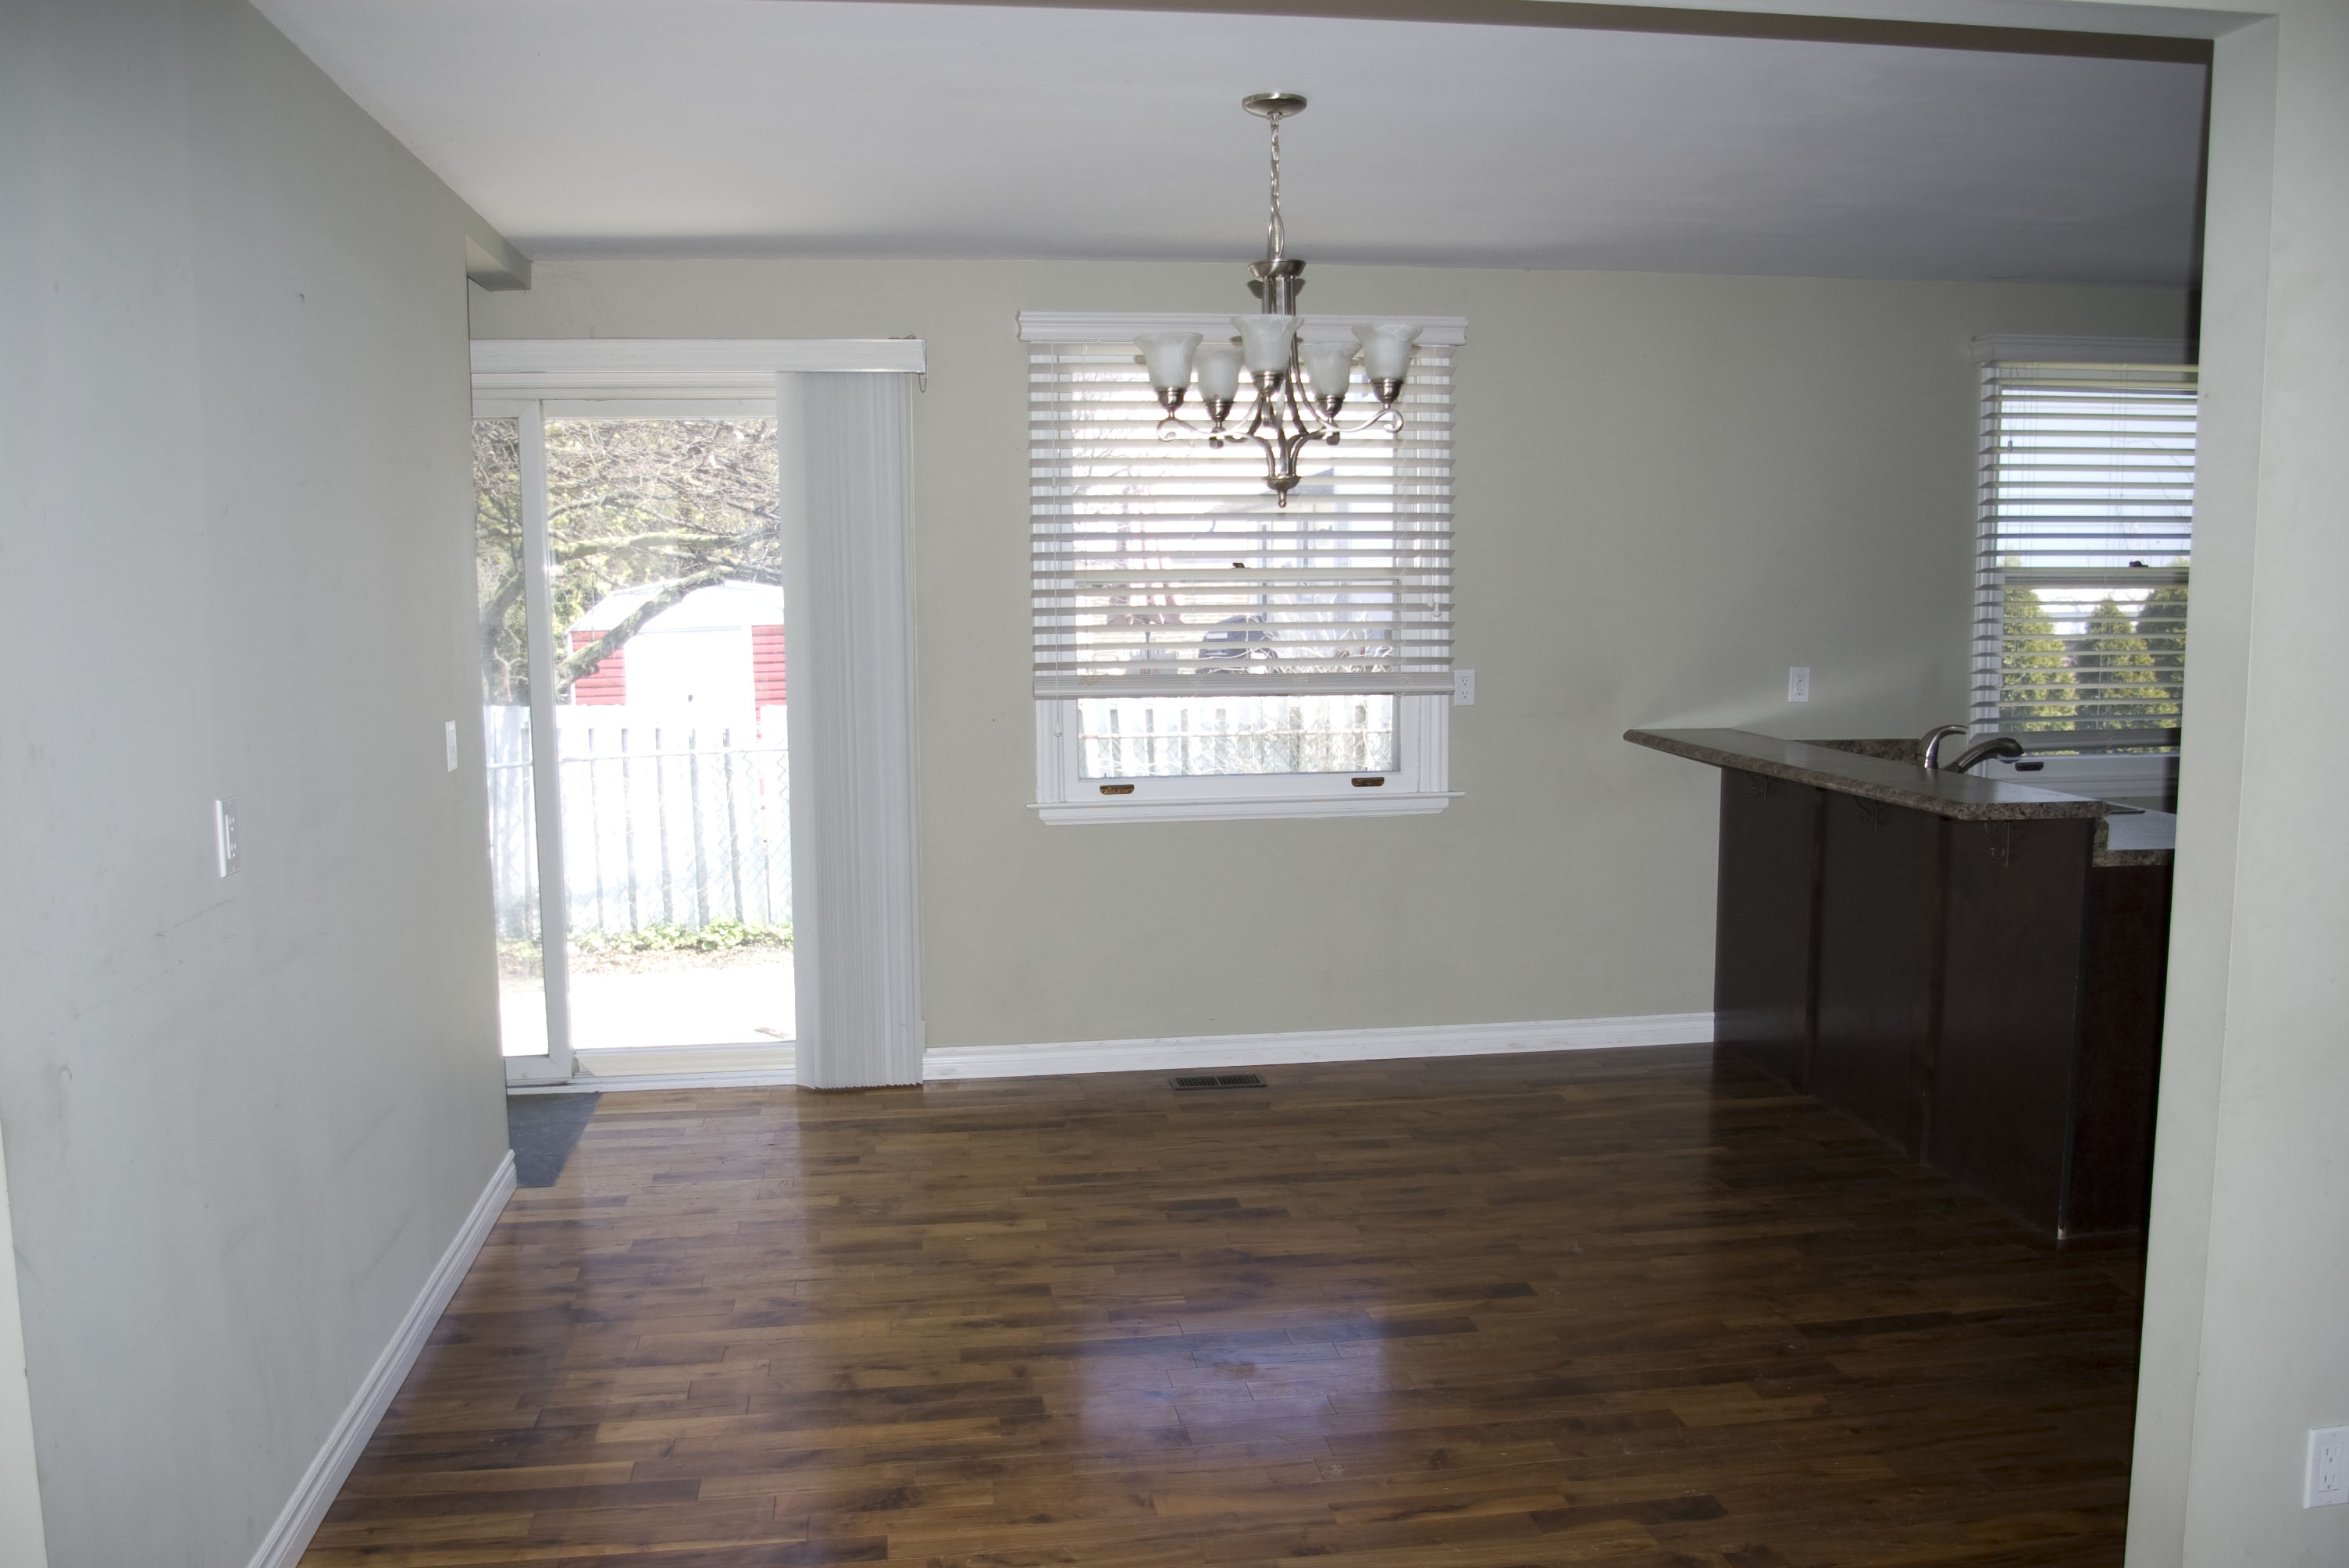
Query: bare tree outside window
677, 503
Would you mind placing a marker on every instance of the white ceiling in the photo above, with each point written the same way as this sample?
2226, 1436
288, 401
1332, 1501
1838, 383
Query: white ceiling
729, 128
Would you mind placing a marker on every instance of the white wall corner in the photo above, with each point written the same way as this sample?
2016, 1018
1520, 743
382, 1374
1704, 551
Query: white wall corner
491, 260
2239, 227
289, 1537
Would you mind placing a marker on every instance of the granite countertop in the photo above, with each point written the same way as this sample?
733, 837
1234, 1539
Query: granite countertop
2126, 836
1960, 796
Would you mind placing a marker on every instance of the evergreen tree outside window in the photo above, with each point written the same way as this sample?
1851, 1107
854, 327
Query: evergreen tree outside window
2086, 549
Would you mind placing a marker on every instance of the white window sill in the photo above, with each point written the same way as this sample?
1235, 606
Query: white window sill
1243, 807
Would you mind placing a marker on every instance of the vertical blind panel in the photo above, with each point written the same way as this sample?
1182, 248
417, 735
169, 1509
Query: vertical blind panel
2086, 542
1166, 568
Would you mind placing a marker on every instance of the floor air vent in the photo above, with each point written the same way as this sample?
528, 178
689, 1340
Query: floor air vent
1220, 1080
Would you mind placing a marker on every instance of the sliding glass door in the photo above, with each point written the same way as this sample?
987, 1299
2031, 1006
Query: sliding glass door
498, 553
634, 682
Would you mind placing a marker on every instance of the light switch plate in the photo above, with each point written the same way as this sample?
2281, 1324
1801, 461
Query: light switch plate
1464, 688
2328, 1467
449, 734
225, 848
1798, 683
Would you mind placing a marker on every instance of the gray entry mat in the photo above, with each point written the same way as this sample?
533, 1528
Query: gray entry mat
541, 1128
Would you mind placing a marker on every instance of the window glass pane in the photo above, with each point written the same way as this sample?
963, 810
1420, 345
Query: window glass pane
2109, 660
2090, 528
670, 691
1206, 736
505, 734
2096, 477
1164, 562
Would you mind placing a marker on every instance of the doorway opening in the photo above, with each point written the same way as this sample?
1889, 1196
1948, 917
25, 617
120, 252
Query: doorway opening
636, 678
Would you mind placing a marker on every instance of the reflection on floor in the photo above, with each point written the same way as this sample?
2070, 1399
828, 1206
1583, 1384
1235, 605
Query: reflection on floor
1508, 1310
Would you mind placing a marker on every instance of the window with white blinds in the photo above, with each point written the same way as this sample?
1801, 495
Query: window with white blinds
1166, 568
2086, 542
1202, 651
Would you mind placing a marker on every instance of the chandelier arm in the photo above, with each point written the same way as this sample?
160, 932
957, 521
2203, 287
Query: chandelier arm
1296, 444
1390, 419
1306, 418
1272, 449
1266, 406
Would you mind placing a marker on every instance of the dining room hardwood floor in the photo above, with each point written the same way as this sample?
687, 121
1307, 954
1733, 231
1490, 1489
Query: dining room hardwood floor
1628, 1306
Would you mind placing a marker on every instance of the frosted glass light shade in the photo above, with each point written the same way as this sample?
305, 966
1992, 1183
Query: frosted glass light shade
1266, 339
1219, 372
1386, 350
1168, 354
1326, 365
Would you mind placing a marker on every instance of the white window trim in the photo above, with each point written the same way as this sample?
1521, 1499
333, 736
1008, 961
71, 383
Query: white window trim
540, 368
1417, 785
2030, 348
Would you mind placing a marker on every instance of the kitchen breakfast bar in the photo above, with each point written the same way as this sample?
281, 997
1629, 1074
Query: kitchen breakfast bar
1972, 967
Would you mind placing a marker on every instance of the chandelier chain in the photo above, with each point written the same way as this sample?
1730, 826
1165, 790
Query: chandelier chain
1276, 238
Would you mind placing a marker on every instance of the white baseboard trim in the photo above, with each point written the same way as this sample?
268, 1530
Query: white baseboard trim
290, 1536
1192, 1053
1199, 1052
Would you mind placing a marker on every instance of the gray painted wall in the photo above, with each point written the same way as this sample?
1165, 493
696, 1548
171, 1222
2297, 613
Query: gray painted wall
1669, 489
243, 1118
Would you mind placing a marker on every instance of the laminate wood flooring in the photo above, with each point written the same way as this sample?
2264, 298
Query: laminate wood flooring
1624, 1308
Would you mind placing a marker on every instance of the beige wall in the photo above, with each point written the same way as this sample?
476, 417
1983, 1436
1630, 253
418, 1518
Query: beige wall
243, 1118
1669, 489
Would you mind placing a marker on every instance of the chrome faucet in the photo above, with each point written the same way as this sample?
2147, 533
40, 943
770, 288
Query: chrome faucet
1933, 738
1992, 746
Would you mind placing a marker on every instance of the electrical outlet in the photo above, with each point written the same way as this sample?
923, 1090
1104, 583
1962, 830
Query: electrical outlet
2328, 1467
449, 734
1798, 683
225, 849
1464, 688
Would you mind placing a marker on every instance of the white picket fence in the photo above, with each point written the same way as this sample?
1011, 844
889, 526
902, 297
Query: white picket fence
1157, 737
665, 820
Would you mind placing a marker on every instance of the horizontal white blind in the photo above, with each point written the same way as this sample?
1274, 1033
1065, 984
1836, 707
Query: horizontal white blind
1165, 568
2087, 540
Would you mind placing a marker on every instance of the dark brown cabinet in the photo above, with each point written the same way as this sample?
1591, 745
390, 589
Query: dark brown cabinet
1766, 940
1879, 955
1981, 993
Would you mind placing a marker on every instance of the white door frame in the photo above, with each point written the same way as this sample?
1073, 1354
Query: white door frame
545, 783
531, 380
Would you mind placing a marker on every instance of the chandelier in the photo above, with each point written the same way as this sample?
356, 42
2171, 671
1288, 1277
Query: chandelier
1300, 388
